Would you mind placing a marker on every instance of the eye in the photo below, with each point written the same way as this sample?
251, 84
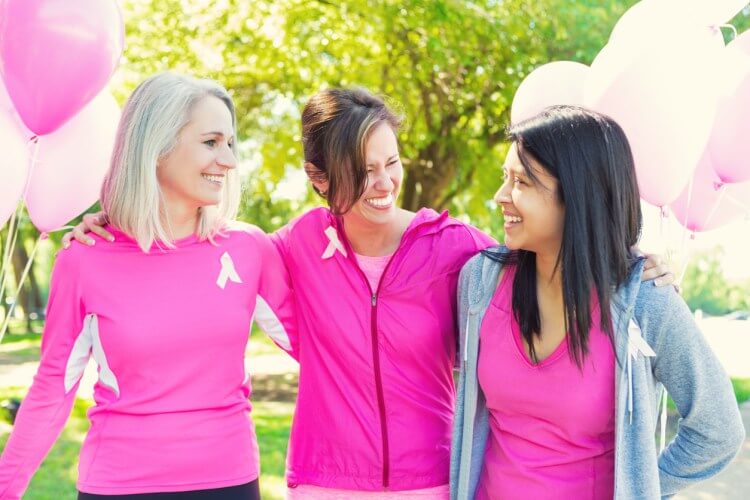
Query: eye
210, 143
394, 162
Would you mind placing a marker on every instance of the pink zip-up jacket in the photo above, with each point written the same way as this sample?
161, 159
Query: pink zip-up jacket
168, 330
376, 391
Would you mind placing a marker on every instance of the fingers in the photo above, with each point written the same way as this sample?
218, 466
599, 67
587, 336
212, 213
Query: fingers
66, 239
103, 233
95, 224
79, 233
667, 278
654, 261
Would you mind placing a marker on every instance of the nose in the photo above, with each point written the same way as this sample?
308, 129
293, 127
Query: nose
226, 158
383, 182
503, 193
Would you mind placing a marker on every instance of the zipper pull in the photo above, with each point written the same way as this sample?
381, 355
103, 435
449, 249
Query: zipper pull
374, 299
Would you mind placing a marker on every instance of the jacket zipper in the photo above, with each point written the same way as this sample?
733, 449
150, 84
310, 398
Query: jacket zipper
379, 388
375, 348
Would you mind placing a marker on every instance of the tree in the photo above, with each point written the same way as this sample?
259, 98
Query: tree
451, 66
705, 287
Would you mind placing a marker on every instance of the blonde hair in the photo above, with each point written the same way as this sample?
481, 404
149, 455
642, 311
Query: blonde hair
151, 121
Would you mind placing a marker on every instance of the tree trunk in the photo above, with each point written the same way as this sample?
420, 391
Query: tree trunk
28, 297
428, 179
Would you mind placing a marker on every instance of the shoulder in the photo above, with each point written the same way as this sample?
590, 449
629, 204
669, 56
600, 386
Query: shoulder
243, 233
657, 300
239, 229
313, 221
481, 271
660, 310
451, 231
74, 257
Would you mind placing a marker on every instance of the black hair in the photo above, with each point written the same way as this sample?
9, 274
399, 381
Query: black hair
590, 157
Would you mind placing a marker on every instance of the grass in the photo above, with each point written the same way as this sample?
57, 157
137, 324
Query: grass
11, 338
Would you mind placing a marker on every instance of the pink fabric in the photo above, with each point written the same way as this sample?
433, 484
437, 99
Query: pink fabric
307, 492
373, 268
551, 425
169, 330
376, 394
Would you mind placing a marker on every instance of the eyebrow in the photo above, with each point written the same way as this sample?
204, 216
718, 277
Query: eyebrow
387, 161
216, 132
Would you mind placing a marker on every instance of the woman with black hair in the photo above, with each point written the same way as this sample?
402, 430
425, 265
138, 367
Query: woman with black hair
565, 352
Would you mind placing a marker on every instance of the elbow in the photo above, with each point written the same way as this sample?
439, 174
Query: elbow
740, 435
734, 436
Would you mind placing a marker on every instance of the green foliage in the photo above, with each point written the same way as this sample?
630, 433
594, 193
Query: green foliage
450, 66
741, 389
705, 287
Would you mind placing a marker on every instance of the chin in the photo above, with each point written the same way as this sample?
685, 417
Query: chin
382, 218
511, 245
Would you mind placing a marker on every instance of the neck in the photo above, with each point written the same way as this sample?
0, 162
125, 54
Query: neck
179, 221
375, 239
549, 275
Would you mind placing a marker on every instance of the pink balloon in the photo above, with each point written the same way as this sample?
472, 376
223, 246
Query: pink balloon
559, 82
706, 207
7, 108
741, 43
55, 56
649, 18
729, 145
71, 164
706, 12
663, 96
13, 166
641, 22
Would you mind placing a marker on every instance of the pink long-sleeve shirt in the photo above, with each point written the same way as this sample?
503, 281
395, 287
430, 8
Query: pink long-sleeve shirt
168, 330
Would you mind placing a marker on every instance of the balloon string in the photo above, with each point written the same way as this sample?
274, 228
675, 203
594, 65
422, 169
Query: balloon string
737, 202
686, 231
663, 236
15, 222
20, 285
687, 252
8, 251
722, 188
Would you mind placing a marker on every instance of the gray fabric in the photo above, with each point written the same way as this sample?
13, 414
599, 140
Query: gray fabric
710, 432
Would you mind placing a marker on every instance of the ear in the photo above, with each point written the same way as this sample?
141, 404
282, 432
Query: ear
318, 178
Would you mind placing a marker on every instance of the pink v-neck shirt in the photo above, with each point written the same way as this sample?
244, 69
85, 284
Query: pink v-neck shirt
552, 425
168, 330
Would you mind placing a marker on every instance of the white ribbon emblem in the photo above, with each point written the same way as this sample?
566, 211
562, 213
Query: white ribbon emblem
333, 243
228, 272
636, 343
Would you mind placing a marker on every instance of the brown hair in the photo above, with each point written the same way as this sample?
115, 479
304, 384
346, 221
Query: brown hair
336, 124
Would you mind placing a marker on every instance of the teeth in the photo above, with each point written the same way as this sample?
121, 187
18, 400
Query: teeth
218, 179
381, 202
513, 218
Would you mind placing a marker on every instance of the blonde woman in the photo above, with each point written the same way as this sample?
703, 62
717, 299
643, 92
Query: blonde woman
165, 310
